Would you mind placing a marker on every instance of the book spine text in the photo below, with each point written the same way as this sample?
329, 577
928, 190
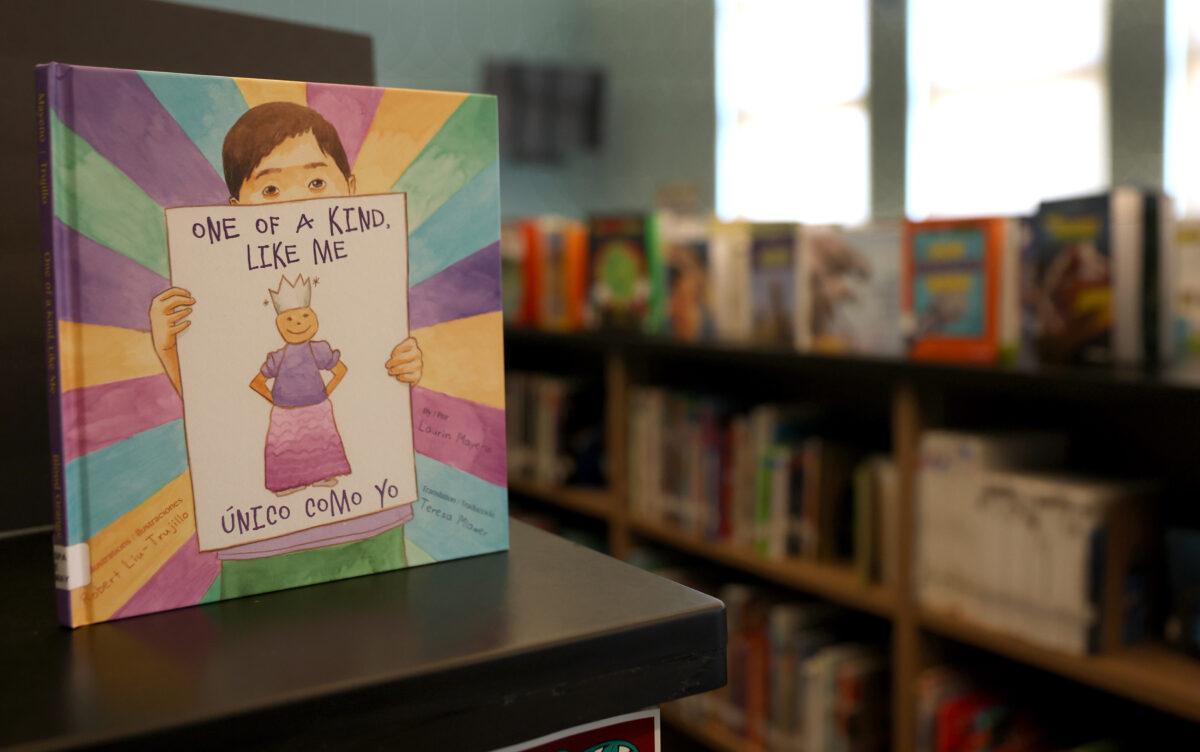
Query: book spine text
67, 563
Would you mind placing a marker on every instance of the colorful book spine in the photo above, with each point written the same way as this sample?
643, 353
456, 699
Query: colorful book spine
67, 563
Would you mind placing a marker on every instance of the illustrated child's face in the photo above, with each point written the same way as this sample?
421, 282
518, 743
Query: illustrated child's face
295, 169
297, 325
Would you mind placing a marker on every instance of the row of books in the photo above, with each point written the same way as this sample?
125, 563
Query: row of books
1084, 281
1003, 538
957, 713
796, 681
763, 479
554, 429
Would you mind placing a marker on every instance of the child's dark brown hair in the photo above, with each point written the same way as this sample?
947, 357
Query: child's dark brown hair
257, 132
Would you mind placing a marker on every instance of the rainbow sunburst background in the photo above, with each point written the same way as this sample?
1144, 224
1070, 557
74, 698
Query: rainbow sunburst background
125, 146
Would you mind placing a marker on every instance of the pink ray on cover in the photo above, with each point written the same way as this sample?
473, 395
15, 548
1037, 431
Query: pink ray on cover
349, 108
463, 434
101, 286
115, 112
182, 581
97, 416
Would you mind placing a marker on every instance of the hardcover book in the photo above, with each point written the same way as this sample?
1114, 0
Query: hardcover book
773, 260
622, 283
1102, 275
274, 334
958, 282
850, 290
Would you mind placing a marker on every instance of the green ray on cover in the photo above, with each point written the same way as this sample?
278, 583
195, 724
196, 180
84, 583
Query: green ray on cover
381, 553
97, 200
464, 146
205, 107
107, 483
478, 512
470, 220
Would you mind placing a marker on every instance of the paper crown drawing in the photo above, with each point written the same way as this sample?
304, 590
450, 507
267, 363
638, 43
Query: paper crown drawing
290, 294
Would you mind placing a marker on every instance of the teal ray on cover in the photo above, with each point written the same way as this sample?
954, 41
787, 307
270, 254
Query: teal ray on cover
204, 107
469, 221
451, 159
103, 485
97, 200
115, 112
478, 522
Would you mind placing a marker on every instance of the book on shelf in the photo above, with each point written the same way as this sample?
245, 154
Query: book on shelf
625, 278
212, 436
686, 249
961, 709
1054, 559
796, 680
762, 479
554, 430
848, 291
555, 251
959, 289
876, 519
1103, 277
1187, 288
774, 257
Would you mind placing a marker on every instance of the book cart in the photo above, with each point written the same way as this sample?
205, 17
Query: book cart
1135, 420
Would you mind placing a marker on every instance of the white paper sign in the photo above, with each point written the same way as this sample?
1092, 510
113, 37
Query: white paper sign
349, 257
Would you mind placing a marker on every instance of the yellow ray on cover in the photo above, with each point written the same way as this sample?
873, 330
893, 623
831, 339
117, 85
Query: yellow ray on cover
96, 354
404, 123
258, 91
131, 550
465, 357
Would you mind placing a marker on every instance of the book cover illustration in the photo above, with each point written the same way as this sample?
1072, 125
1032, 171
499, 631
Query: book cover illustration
1073, 281
951, 289
621, 275
851, 290
277, 357
687, 252
773, 283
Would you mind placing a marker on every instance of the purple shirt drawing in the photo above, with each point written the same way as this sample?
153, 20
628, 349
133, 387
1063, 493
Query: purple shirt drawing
297, 373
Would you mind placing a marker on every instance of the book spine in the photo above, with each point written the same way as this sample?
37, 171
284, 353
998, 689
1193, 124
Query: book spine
67, 566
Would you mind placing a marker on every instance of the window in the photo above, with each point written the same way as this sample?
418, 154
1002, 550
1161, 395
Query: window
1181, 148
792, 119
1007, 104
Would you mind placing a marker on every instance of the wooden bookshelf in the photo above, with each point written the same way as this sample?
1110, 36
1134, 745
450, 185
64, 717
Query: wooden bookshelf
1148, 673
711, 734
592, 502
837, 583
1151, 675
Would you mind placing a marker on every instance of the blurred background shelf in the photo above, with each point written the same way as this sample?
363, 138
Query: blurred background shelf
836, 583
711, 734
593, 502
1148, 673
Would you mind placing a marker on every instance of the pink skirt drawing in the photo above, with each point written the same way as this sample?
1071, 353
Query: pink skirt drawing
303, 447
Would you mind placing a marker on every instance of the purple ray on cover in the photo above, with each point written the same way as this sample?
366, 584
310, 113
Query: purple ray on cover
470, 437
345, 531
182, 581
349, 108
97, 416
101, 285
465, 288
115, 112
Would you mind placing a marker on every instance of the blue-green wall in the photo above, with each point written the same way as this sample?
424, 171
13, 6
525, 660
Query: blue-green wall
658, 54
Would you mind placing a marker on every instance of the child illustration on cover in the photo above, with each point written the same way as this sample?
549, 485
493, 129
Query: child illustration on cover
282, 151
303, 447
